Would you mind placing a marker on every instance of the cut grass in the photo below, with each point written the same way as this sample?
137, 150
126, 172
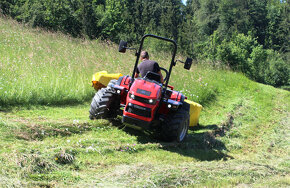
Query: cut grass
242, 140
109, 154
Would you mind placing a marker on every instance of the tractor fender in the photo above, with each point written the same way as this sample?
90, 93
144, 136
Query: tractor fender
174, 105
122, 86
177, 96
124, 81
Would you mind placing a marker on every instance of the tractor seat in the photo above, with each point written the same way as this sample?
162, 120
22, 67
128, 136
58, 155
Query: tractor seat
153, 76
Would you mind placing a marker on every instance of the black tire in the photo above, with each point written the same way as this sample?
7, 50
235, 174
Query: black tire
105, 103
175, 126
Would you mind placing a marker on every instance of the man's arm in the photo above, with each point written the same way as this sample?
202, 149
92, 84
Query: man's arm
161, 77
157, 69
137, 73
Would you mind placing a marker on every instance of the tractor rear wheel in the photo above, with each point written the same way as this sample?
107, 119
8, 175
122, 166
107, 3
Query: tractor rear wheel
175, 127
105, 103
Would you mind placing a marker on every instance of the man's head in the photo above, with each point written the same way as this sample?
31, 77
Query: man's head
144, 55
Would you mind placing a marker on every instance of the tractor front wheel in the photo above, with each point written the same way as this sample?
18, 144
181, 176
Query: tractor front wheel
105, 103
175, 127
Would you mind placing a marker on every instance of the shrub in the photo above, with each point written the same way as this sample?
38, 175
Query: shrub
5, 6
76, 17
277, 71
257, 64
243, 53
267, 66
235, 53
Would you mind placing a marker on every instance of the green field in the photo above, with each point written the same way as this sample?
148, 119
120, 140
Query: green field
47, 139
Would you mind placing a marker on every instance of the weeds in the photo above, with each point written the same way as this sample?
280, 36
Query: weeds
35, 162
127, 148
64, 157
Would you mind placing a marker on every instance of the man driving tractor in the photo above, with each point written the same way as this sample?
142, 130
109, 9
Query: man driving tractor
147, 65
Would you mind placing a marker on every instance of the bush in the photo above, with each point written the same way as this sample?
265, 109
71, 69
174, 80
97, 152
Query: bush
236, 52
277, 72
243, 53
257, 63
267, 66
5, 6
60, 15
76, 18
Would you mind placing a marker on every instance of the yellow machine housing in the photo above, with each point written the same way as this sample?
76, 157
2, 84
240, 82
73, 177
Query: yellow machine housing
101, 79
194, 112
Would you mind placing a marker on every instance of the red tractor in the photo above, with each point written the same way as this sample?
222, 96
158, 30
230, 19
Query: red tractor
145, 102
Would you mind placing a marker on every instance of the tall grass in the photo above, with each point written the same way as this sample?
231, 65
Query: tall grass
39, 67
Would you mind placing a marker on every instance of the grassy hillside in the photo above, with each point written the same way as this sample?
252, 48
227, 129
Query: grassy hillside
243, 139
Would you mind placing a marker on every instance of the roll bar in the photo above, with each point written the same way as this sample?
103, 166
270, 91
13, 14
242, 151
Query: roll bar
139, 52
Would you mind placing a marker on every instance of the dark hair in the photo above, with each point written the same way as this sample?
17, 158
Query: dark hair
144, 55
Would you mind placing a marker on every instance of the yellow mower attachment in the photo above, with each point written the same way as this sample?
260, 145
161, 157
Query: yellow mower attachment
102, 78
194, 112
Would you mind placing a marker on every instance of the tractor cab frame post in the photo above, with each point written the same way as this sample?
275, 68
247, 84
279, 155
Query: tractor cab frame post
139, 52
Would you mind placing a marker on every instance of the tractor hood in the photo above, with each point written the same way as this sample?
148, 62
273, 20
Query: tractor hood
146, 89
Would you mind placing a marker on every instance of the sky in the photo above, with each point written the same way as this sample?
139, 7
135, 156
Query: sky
184, 1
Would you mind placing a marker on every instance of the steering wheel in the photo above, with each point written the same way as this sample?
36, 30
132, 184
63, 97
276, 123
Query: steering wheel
166, 72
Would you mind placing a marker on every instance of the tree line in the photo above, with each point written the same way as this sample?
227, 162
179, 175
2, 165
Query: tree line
251, 36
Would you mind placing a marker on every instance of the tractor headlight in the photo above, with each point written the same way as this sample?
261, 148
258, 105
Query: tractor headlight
132, 96
152, 101
141, 99
173, 107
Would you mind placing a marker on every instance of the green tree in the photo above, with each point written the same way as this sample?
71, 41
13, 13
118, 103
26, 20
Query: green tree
90, 14
258, 19
207, 17
6, 6
277, 33
113, 22
234, 17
